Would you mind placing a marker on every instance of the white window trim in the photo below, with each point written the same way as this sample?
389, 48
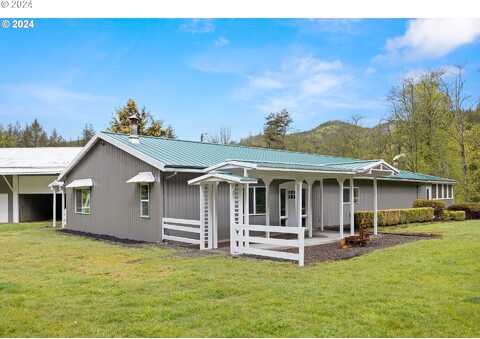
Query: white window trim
145, 200
89, 200
445, 190
254, 197
358, 194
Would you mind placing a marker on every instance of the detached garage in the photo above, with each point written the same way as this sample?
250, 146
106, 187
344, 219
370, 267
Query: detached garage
25, 175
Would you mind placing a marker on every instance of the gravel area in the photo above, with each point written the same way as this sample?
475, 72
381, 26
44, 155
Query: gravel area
334, 252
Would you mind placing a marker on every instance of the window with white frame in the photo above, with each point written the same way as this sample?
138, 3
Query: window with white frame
256, 196
82, 200
144, 200
346, 194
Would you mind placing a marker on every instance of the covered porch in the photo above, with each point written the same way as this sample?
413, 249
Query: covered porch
293, 192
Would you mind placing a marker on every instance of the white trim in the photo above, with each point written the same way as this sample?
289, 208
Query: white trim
8, 183
231, 164
141, 178
254, 199
80, 183
80, 189
15, 204
381, 162
215, 177
146, 216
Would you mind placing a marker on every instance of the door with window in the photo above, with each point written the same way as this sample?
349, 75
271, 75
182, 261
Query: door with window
347, 203
288, 205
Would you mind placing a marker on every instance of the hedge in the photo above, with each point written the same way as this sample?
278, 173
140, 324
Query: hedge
472, 210
453, 215
395, 216
437, 205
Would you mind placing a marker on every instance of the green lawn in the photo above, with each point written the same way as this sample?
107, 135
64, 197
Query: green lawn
52, 284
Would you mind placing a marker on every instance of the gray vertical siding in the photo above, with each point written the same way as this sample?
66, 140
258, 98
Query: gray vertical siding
5, 189
115, 204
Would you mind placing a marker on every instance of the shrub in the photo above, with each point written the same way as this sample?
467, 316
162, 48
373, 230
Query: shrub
472, 210
453, 215
396, 216
437, 205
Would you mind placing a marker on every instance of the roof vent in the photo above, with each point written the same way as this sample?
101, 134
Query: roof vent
133, 137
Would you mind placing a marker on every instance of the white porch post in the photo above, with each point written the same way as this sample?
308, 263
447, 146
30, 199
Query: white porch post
203, 219
298, 195
340, 205
267, 182
246, 213
214, 215
352, 208
436, 192
64, 212
375, 207
309, 207
321, 214
54, 219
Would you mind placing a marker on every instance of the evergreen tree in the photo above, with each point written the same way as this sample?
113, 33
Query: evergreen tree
120, 123
276, 128
87, 133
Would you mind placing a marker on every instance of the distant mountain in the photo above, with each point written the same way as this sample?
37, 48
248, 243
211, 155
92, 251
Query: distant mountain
334, 137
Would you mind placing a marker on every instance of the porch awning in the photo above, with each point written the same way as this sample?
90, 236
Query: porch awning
142, 177
80, 183
225, 177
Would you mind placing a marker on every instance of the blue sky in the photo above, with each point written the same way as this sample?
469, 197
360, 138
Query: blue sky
200, 75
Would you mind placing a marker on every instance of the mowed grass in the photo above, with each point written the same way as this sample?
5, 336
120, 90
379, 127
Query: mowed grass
53, 284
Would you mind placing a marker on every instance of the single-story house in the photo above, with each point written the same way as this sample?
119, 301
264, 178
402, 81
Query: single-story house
25, 174
151, 189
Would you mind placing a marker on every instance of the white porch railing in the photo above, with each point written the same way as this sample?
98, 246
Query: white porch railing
181, 225
244, 243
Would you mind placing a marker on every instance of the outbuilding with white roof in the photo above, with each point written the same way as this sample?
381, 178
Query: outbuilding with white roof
25, 175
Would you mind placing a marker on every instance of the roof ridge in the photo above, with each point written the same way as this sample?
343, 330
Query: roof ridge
235, 145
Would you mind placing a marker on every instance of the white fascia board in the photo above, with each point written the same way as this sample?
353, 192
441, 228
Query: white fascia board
145, 158
231, 164
183, 170
454, 182
380, 162
304, 171
221, 177
79, 156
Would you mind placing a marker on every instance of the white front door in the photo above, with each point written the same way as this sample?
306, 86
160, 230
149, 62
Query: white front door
3, 207
288, 204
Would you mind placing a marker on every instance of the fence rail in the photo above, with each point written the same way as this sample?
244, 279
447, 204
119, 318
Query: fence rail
181, 225
244, 243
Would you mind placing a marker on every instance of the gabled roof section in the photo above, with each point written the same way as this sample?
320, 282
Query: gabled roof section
174, 154
36, 160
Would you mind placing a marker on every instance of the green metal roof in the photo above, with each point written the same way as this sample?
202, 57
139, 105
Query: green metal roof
175, 153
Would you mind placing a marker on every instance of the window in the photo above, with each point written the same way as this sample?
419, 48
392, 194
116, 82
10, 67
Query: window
346, 195
144, 200
256, 196
82, 200
291, 194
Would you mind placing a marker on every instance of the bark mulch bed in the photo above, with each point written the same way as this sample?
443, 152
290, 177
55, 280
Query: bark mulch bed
332, 251
181, 250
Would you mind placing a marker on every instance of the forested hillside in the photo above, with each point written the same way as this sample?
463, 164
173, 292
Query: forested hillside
430, 129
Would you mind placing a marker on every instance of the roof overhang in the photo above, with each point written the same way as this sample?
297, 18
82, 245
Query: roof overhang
222, 177
30, 170
142, 178
80, 183
147, 159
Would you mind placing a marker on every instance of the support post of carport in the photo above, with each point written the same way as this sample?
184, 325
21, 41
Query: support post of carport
352, 208
64, 212
340, 205
54, 220
375, 206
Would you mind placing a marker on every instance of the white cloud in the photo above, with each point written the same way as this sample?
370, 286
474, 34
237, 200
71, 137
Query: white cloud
298, 84
370, 70
415, 74
432, 38
198, 26
221, 42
